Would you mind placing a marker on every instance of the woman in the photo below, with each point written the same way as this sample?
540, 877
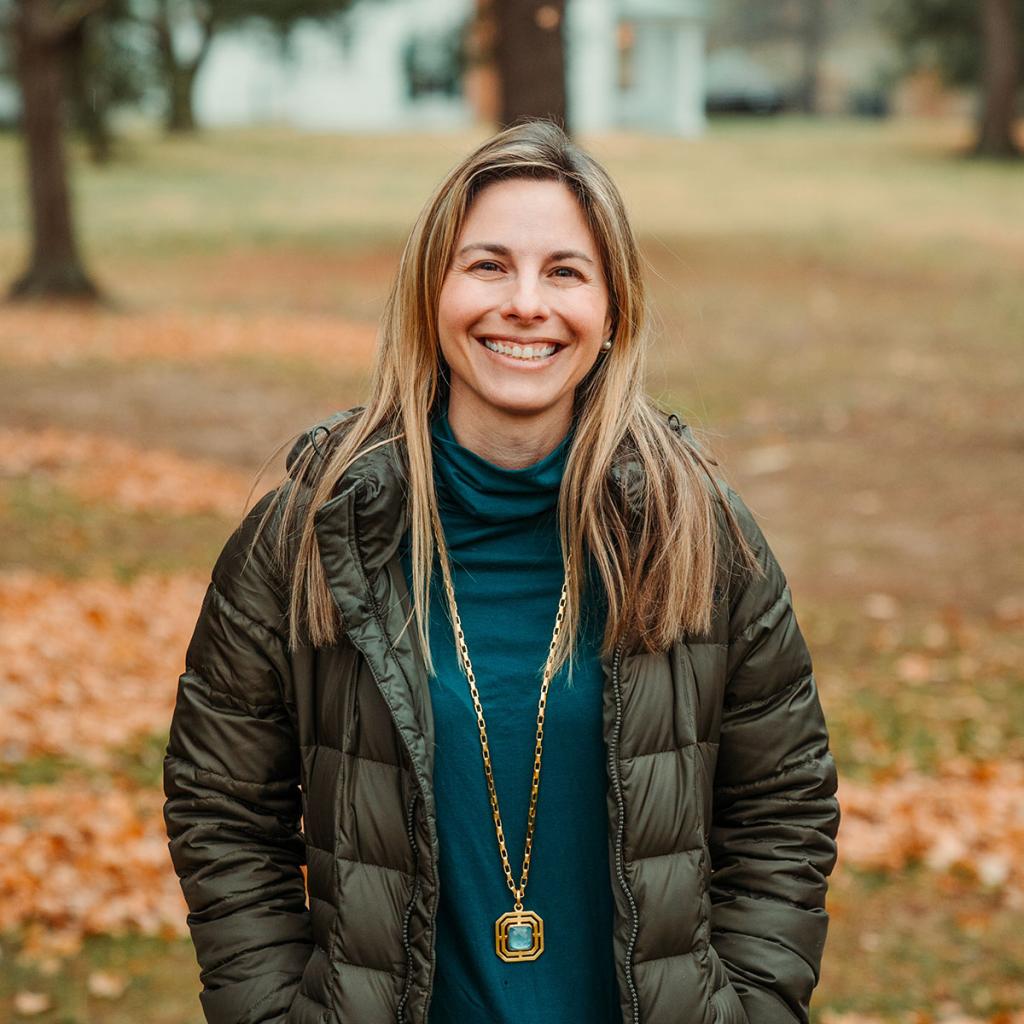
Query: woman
394, 646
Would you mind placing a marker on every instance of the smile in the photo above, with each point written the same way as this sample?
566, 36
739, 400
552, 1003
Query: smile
529, 352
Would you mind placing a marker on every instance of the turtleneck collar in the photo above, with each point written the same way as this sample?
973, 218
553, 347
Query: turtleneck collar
469, 484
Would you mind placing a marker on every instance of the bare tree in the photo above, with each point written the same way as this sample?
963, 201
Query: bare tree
178, 70
42, 31
1000, 77
530, 58
975, 43
179, 73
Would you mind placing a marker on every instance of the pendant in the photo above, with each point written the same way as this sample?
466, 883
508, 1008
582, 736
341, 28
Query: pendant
519, 935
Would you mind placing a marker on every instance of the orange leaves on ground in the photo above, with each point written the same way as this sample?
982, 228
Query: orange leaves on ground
106, 984
68, 334
28, 1003
103, 469
79, 859
87, 666
922, 1017
969, 818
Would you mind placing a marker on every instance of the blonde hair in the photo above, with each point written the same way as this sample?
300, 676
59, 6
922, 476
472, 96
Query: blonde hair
655, 546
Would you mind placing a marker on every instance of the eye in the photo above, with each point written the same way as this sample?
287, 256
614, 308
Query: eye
572, 270
484, 265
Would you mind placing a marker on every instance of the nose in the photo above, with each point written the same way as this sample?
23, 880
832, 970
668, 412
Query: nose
525, 303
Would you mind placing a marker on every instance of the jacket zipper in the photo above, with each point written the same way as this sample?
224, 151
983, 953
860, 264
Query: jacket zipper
613, 767
408, 909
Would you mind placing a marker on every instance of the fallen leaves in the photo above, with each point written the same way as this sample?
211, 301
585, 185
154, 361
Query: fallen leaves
86, 666
83, 858
71, 335
968, 819
89, 666
29, 1003
106, 984
916, 689
104, 469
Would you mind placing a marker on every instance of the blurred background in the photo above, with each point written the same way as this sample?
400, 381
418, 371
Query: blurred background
201, 207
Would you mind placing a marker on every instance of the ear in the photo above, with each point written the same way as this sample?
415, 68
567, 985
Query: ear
608, 324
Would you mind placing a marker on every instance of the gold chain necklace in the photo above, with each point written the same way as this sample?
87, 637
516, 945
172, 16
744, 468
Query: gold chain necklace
519, 933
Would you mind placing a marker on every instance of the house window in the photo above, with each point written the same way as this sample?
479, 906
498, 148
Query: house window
434, 64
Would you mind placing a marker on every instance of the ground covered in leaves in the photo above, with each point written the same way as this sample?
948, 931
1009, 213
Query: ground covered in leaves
838, 314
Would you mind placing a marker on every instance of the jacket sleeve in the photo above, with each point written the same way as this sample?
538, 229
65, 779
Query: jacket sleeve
775, 813
231, 781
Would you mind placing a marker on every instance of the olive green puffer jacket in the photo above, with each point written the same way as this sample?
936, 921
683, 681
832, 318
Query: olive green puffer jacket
722, 813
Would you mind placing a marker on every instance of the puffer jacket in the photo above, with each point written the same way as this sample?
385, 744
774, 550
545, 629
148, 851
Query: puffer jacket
301, 816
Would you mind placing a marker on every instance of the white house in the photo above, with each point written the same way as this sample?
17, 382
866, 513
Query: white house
388, 65
636, 64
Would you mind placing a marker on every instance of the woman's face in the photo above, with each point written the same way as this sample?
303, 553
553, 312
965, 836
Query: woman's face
526, 273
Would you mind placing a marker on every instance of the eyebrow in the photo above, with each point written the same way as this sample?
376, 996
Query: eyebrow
503, 250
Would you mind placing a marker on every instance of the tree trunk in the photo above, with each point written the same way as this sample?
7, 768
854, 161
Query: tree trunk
55, 268
812, 41
89, 102
530, 59
180, 114
180, 75
1000, 77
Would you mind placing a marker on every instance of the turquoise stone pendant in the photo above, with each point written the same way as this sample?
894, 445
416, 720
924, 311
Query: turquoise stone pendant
518, 936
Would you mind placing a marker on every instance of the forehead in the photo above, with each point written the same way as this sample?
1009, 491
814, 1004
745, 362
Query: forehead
527, 214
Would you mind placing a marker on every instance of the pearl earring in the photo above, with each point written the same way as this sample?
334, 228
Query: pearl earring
606, 344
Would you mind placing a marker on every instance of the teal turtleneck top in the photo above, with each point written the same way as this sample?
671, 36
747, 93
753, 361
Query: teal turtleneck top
500, 526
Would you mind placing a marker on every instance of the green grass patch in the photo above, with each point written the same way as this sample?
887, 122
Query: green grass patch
162, 982
139, 763
142, 761
49, 530
42, 771
910, 942
916, 698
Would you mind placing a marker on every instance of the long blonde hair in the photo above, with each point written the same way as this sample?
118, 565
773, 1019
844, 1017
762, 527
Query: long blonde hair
650, 526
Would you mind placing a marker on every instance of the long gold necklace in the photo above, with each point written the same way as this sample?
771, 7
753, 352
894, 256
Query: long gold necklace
518, 933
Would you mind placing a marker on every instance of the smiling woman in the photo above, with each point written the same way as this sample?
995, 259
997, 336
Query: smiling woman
589, 599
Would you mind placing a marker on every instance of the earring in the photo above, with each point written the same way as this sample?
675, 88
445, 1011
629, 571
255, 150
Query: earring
606, 344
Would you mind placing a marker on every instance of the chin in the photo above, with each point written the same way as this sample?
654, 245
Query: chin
522, 401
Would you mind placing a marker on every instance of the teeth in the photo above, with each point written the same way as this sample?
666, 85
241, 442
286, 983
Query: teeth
518, 351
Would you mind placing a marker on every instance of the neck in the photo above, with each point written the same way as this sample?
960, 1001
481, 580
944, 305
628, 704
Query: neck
507, 440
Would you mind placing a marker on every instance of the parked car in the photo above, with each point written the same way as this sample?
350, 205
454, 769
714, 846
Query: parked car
736, 84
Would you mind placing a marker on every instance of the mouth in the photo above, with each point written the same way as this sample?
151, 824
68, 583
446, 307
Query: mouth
521, 352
